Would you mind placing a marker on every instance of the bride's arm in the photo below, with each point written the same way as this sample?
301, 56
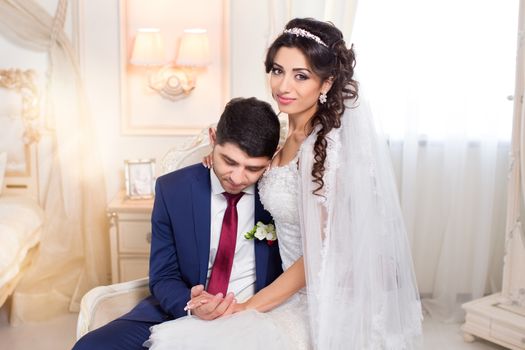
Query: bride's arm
286, 285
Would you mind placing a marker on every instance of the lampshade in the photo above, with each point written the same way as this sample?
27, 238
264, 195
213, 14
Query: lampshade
148, 49
194, 48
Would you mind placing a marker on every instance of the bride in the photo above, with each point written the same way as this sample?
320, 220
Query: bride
348, 280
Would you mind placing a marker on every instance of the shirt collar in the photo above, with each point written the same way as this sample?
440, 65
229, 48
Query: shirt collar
216, 187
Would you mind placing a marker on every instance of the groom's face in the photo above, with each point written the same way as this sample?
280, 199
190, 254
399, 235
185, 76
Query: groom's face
235, 169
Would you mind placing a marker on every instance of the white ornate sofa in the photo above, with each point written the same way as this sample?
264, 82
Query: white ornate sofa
105, 303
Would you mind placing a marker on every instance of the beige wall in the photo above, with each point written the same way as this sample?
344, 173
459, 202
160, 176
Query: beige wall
98, 45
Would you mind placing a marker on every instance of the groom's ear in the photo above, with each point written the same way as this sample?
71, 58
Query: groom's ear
212, 135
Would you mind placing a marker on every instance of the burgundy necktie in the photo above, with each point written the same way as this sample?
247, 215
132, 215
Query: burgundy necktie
222, 266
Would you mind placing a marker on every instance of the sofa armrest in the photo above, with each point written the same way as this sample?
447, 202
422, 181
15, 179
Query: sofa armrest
105, 303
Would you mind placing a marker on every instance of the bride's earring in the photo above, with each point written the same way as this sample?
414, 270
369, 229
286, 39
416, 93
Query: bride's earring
322, 98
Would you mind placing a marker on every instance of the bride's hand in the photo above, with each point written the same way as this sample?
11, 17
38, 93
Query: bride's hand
207, 161
200, 300
198, 297
210, 307
234, 308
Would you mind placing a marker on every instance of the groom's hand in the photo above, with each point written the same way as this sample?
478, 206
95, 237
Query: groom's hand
207, 306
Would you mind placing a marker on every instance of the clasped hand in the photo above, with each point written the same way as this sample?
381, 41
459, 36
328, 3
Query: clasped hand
209, 307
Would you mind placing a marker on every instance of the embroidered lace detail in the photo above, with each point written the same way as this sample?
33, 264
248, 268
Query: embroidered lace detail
292, 319
278, 189
390, 340
333, 148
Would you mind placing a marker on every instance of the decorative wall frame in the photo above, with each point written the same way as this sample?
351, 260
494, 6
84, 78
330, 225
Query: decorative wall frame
143, 111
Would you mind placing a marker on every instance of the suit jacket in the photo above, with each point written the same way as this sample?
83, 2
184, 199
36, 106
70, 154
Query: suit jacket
180, 245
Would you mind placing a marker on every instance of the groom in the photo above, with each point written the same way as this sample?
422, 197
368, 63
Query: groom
198, 223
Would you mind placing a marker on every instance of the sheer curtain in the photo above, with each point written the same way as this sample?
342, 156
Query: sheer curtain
73, 254
439, 74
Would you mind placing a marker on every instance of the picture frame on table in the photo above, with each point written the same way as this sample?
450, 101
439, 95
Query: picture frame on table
140, 178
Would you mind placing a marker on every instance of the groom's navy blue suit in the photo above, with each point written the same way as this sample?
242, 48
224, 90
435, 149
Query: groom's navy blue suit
180, 250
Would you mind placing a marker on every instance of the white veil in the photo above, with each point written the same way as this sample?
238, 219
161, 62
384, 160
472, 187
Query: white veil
362, 292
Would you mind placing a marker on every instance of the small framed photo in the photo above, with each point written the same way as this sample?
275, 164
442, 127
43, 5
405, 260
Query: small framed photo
140, 178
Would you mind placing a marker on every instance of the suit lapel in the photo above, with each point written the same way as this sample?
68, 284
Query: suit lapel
261, 247
201, 195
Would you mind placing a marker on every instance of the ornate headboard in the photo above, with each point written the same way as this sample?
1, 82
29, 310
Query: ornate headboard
19, 135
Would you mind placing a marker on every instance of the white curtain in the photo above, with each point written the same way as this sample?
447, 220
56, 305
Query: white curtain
439, 74
73, 255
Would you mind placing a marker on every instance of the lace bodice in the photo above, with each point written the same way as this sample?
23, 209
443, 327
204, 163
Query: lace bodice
278, 191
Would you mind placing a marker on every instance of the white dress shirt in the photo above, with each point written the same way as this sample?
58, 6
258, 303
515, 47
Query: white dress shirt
242, 278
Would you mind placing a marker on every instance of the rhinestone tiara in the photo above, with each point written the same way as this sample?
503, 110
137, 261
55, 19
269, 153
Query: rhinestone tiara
305, 34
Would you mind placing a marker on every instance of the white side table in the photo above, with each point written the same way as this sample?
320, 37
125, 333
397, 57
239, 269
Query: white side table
130, 237
489, 319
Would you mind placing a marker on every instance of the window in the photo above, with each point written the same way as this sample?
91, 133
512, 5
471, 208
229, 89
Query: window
439, 69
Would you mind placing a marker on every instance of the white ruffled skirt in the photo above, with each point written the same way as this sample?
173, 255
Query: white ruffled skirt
285, 327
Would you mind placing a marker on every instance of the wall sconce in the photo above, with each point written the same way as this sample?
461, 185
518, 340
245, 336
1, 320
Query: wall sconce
173, 80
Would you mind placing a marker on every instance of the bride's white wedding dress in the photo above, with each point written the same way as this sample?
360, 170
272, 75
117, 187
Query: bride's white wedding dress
286, 326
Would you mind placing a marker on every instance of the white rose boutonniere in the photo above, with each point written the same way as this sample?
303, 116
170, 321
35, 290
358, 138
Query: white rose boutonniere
262, 231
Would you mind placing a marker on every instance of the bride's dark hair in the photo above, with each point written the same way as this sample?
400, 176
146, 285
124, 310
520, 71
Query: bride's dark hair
334, 61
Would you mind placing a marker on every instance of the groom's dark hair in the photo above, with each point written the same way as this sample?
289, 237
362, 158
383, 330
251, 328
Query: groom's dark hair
250, 124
